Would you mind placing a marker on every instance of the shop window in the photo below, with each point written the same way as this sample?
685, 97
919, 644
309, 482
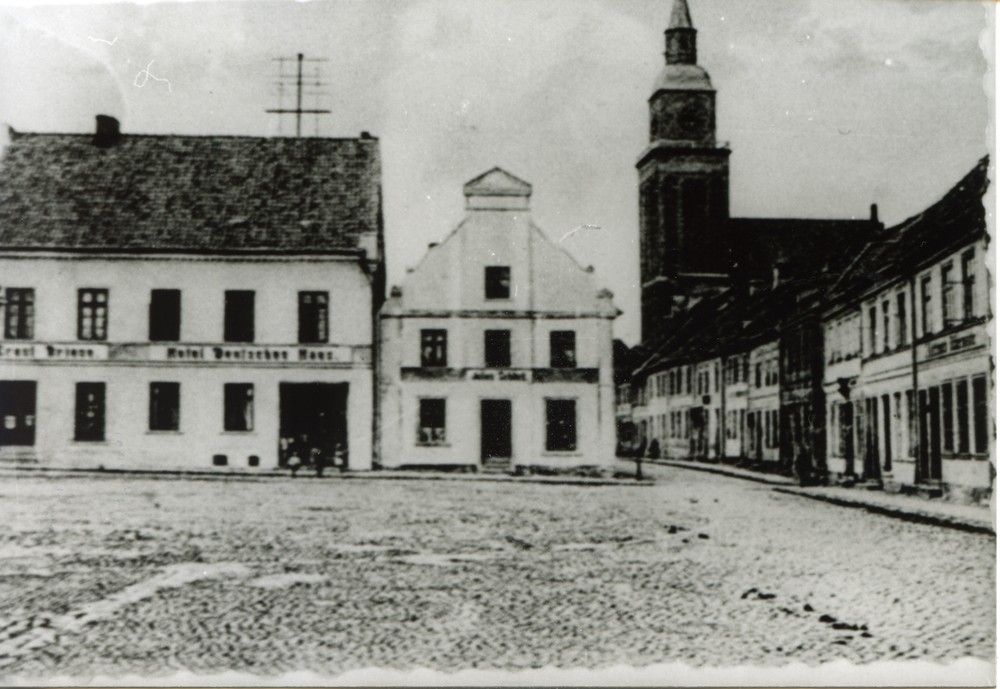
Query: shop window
164, 406
981, 416
165, 315
19, 322
497, 348
497, 282
962, 407
947, 419
968, 284
432, 422
89, 412
560, 425
239, 318
92, 314
433, 348
238, 403
313, 317
562, 349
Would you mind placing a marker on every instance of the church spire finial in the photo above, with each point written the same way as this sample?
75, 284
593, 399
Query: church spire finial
681, 36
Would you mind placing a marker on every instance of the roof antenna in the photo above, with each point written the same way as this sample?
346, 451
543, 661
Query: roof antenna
288, 79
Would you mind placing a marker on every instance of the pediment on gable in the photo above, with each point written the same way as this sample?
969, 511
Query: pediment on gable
497, 182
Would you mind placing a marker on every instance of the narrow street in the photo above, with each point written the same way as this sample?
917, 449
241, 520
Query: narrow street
106, 575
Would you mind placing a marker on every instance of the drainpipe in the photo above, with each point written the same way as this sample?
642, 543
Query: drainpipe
918, 474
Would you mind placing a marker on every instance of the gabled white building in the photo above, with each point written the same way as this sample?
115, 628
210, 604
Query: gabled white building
496, 353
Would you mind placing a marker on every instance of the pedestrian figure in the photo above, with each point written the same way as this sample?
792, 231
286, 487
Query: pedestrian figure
318, 458
639, 453
654, 449
340, 457
294, 463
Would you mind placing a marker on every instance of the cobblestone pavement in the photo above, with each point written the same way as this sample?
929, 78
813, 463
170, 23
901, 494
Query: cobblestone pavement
107, 575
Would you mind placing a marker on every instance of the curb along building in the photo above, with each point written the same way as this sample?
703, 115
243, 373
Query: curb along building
185, 302
496, 354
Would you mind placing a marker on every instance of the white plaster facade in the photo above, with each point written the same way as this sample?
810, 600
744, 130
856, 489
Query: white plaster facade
54, 360
443, 401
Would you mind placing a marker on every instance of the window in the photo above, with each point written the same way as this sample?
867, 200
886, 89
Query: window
165, 315
716, 376
92, 314
948, 311
962, 407
89, 412
901, 318
238, 406
872, 324
562, 349
19, 323
980, 414
687, 380
497, 348
497, 282
925, 300
432, 424
560, 425
947, 418
756, 374
164, 406
239, 316
885, 326
313, 317
433, 348
968, 284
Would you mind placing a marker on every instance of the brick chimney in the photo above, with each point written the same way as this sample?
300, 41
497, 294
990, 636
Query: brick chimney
108, 133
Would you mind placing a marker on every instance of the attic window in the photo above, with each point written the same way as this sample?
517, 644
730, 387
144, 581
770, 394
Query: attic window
498, 282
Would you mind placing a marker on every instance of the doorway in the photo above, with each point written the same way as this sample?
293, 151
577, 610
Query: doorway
17, 412
313, 419
495, 434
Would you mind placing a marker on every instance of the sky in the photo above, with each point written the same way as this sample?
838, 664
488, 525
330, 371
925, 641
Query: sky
828, 105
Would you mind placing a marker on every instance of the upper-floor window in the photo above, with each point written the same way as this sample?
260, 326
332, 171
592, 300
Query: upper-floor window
92, 314
757, 374
19, 323
872, 330
165, 315
562, 349
949, 313
238, 407
925, 302
433, 348
968, 284
313, 317
498, 282
497, 348
239, 319
901, 335
885, 326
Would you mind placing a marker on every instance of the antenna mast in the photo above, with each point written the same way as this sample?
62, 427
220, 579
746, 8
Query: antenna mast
298, 111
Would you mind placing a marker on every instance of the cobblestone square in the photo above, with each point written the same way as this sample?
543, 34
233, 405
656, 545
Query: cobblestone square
115, 574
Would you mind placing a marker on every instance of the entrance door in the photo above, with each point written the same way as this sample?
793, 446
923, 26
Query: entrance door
495, 442
17, 412
313, 421
934, 428
847, 436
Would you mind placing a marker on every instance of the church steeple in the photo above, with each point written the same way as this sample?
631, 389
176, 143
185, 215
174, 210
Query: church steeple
682, 47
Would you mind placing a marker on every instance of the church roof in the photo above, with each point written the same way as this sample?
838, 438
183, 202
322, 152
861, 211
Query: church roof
189, 193
682, 77
680, 18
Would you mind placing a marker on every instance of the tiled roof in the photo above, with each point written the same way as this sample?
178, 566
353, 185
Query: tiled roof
957, 219
189, 193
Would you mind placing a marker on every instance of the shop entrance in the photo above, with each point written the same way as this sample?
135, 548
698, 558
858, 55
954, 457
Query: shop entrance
313, 422
17, 412
495, 441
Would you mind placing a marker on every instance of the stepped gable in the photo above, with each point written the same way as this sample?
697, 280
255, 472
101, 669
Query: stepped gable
141, 193
957, 219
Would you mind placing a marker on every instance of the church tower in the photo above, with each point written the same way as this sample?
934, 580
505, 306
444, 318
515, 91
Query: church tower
683, 184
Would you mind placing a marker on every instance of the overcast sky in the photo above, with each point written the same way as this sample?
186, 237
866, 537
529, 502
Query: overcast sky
828, 105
